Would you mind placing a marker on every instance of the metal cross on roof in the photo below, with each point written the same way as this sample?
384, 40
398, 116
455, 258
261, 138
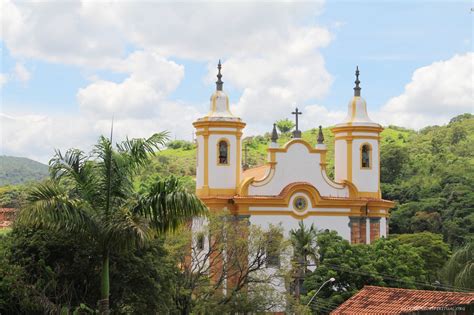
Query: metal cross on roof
297, 132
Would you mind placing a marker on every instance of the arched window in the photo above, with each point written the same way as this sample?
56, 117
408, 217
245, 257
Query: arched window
223, 152
366, 156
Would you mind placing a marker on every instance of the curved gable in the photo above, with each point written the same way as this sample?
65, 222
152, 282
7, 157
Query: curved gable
295, 162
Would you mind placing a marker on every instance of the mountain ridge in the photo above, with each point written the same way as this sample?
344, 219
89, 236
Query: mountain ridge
20, 170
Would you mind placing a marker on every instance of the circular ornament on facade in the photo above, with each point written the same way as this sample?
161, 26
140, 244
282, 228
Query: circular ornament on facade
300, 203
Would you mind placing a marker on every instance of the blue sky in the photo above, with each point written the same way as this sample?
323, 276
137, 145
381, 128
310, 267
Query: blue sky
55, 87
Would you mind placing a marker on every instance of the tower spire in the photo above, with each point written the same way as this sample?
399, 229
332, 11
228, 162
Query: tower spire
219, 82
274, 134
320, 136
357, 87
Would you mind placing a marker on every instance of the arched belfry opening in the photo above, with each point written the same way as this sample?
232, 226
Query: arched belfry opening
223, 152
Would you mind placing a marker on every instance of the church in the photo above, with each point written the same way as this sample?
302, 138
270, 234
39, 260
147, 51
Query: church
293, 184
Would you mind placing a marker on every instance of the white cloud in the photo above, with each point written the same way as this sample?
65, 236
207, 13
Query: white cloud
93, 32
271, 54
318, 115
58, 32
436, 93
151, 78
20, 72
36, 136
281, 79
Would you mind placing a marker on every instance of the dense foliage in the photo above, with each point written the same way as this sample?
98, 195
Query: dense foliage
44, 271
431, 176
400, 262
428, 173
95, 197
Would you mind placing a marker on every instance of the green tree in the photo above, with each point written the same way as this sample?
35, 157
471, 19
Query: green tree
12, 196
459, 270
383, 263
304, 245
227, 250
431, 248
393, 159
95, 195
180, 144
45, 271
285, 125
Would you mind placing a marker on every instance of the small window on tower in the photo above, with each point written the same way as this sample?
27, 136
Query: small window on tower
223, 149
366, 151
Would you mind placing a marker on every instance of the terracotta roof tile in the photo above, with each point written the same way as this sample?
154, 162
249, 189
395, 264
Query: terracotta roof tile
8, 210
257, 172
380, 300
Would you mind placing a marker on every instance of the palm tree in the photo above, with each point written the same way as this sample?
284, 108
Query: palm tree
304, 246
95, 195
459, 270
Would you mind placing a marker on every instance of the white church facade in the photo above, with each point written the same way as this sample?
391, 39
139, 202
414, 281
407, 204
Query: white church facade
293, 184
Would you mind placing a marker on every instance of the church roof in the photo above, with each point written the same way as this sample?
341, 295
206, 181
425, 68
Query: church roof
381, 300
257, 172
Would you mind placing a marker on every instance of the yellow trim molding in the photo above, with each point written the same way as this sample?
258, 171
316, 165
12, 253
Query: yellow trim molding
213, 192
357, 137
219, 132
287, 145
283, 199
353, 128
369, 194
204, 123
206, 160
238, 154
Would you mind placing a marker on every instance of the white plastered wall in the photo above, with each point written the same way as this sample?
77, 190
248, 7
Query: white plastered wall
298, 165
336, 223
340, 160
200, 225
222, 176
383, 227
366, 180
200, 162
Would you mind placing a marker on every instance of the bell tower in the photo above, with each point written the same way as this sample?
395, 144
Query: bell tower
219, 142
357, 147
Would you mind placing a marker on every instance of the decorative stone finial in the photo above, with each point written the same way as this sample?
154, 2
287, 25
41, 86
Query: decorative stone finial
320, 136
357, 87
219, 82
274, 134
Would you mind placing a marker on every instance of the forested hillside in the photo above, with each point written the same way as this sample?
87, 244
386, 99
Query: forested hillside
429, 173
19, 170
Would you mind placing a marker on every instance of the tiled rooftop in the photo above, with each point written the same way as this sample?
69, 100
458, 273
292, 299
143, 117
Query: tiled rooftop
257, 172
380, 300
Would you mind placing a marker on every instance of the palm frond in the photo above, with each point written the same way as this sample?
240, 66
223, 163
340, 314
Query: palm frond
75, 166
167, 204
70, 162
138, 150
125, 229
50, 206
